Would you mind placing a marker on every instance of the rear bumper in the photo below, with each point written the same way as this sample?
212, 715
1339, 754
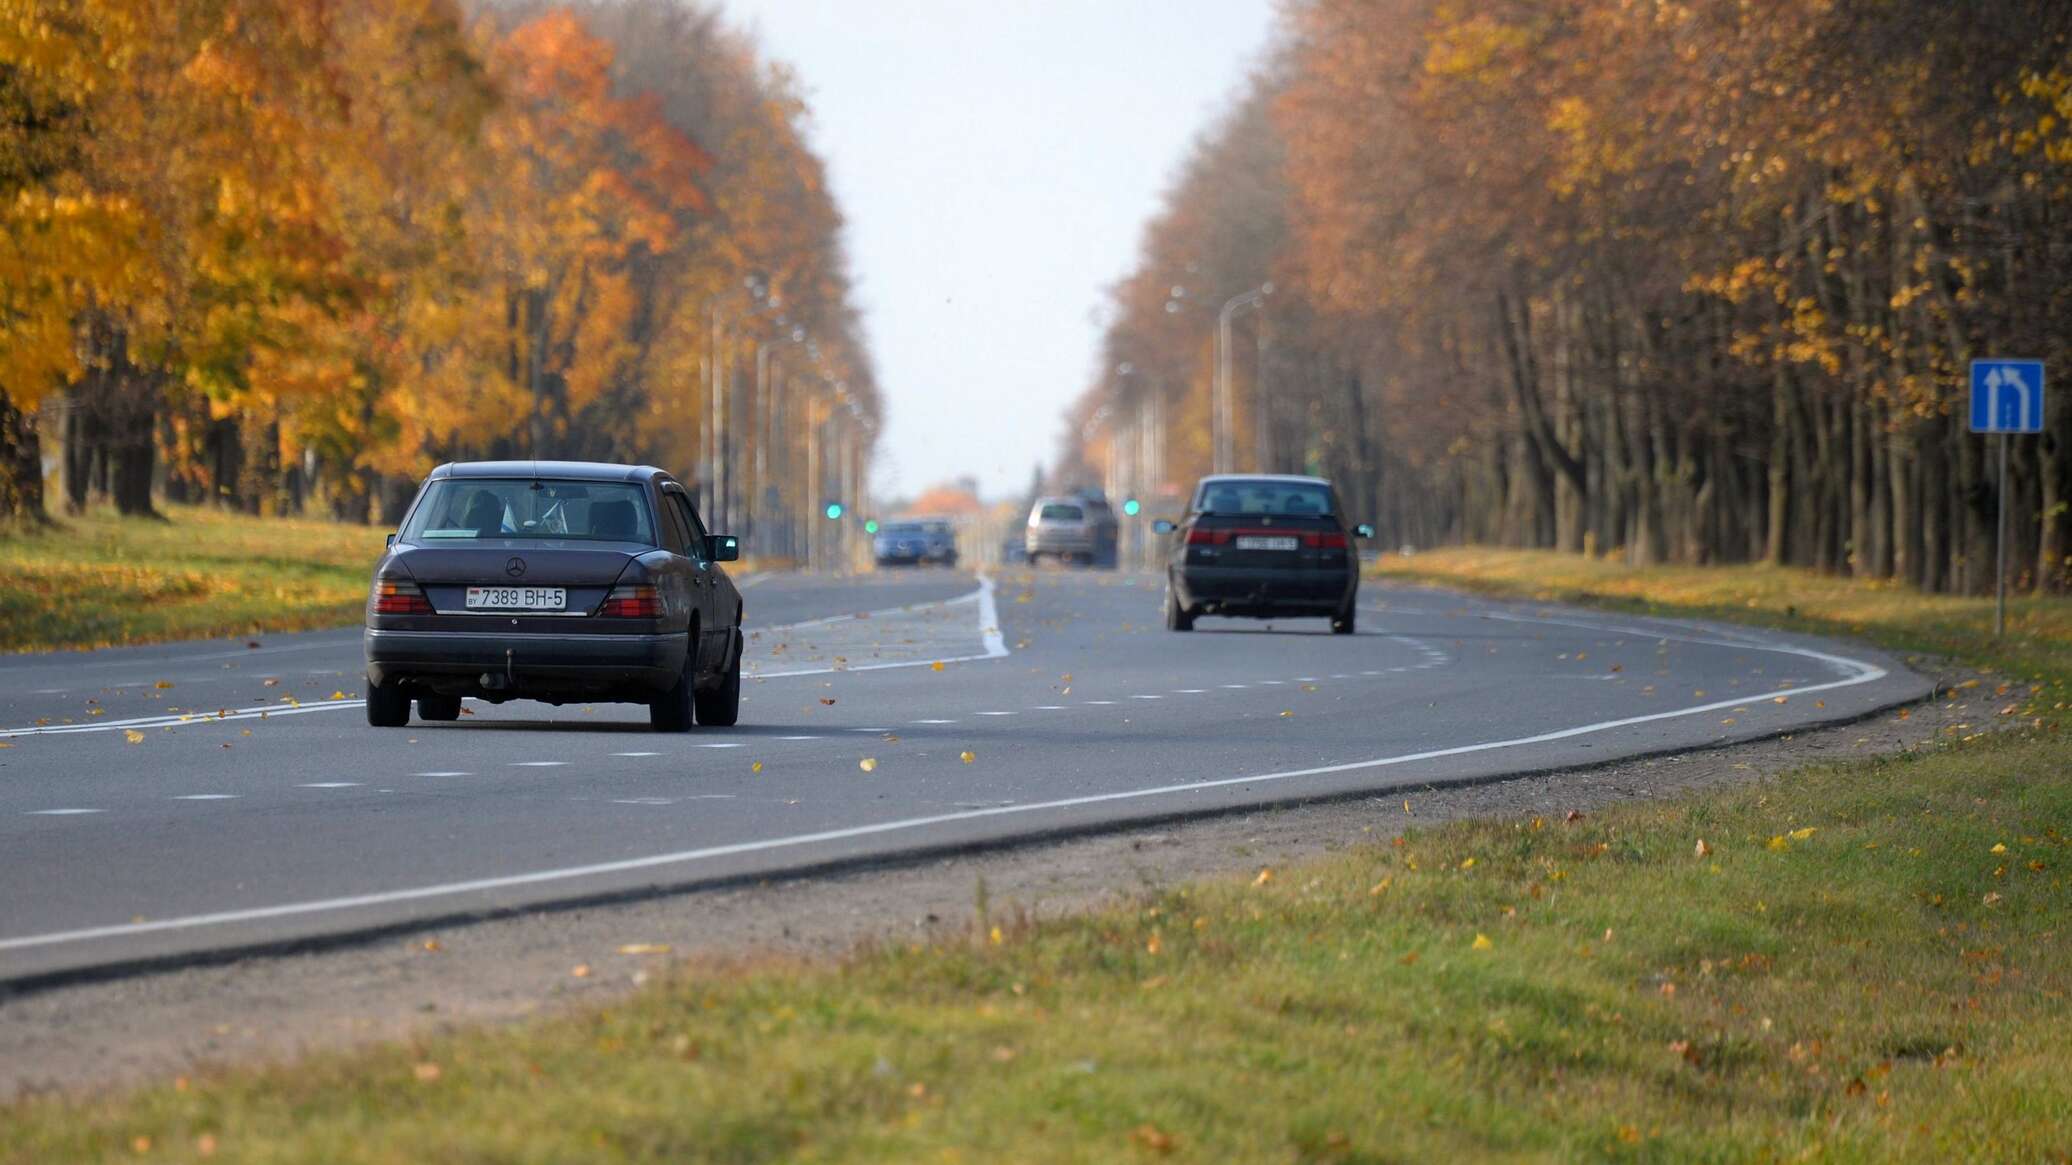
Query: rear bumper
1055, 543
1226, 590
526, 665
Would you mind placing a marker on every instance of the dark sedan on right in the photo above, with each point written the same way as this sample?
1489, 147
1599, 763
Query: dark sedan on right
1262, 546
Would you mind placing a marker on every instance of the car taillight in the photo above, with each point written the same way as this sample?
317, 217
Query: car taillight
632, 603
1329, 540
1199, 537
400, 597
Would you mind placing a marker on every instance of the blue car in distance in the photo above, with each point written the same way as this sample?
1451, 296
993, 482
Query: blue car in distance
915, 544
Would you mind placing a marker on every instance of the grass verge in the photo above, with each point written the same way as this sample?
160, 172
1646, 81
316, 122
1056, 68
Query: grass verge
1865, 962
101, 580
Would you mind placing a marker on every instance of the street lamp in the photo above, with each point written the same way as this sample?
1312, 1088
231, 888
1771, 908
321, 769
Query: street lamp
715, 397
1220, 410
763, 353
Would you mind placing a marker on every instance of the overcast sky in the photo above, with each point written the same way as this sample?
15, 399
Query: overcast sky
997, 160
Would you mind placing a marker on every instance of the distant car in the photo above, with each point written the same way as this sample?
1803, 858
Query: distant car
913, 543
554, 581
1263, 547
1071, 528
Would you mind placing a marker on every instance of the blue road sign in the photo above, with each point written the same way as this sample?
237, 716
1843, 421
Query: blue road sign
2007, 396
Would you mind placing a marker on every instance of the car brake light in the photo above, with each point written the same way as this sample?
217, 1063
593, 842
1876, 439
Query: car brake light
1199, 537
1329, 540
639, 602
400, 597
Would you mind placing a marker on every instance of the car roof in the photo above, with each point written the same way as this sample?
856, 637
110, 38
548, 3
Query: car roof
1063, 500
1290, 478
552, 470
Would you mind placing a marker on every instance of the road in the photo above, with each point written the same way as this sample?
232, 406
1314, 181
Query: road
161, 802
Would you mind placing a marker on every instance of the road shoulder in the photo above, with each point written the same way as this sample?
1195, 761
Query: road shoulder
94, 1036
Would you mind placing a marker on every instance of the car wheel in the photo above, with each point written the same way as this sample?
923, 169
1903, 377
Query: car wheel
387, 706
721, 707
671, 710
1176, 618
436, 707
1342, 623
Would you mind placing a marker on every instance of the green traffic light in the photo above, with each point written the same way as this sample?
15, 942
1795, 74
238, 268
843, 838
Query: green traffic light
1130, 507
834, 511
870, 526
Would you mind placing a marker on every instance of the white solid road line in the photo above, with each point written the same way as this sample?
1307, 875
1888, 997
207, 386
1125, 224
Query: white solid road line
994, 647
183, 719
1862, 673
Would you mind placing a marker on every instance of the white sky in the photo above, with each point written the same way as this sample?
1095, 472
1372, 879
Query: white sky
997, 160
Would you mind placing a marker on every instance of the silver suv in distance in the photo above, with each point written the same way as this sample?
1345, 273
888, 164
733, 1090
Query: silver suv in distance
1072, 528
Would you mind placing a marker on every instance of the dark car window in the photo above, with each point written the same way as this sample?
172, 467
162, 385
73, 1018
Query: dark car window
471, 509
1059, 512
1266, 498
685, 514
673, 521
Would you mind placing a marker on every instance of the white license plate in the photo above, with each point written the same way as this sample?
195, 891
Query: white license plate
1258, 542
517, 598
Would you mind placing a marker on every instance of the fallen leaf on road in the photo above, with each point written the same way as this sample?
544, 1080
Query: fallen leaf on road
1285, 712
756, 767
133, 736
827, 699
936, 666
967, 756
868, 764
162, 685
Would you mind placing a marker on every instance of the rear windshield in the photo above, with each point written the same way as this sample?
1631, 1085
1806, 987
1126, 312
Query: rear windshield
902, 528
1278, 498
1059, 512
473, 509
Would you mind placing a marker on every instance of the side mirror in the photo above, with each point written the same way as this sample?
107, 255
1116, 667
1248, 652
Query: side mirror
1363, 530
1163, 527
724, 547
392, 542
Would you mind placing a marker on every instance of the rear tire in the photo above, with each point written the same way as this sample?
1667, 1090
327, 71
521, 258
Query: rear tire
1176, 618
387, 706
721, 707
671, 710
1343, 623
436, 707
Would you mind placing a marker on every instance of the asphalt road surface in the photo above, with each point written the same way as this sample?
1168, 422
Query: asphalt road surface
161, 802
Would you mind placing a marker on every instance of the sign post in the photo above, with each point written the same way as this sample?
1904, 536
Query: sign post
2006, 397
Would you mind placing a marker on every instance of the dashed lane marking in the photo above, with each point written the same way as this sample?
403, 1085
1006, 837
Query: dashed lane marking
206, 797
330, 785
1854, 671
61, 812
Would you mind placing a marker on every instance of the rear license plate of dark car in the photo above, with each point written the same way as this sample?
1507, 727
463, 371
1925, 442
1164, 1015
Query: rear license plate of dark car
1259, 542
517, 598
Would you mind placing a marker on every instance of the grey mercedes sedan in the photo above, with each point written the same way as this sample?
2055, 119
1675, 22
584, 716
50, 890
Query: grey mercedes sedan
555, 581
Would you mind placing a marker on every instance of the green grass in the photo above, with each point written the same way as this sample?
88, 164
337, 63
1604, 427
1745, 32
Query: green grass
2039, 628
1869, 962
100, 580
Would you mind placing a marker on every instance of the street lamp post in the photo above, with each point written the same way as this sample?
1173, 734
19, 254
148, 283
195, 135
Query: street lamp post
1221, 420
764, 352
715, 397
